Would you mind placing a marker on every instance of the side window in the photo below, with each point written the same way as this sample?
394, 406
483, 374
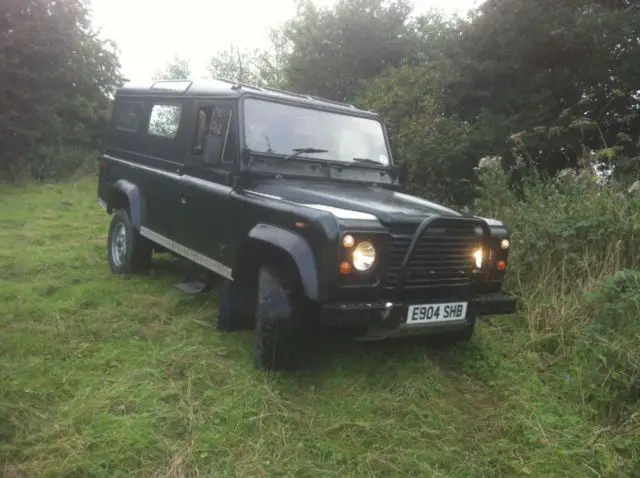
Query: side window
213, 134
164, 121
127, 116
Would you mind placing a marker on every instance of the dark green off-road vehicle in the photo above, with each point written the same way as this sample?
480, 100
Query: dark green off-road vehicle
295, 204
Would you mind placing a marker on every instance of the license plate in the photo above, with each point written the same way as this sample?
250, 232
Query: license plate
433, 313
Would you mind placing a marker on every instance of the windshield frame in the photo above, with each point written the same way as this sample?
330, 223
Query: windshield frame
310, 157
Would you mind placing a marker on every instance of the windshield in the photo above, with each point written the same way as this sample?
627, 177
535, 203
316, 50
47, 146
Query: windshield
280, 129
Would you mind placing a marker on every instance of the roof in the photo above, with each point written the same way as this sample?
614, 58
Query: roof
225, 88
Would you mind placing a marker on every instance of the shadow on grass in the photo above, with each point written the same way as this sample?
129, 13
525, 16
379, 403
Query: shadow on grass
331, 345
331, 350
168, 266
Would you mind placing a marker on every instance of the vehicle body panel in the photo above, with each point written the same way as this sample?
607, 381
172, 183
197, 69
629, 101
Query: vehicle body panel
387, 205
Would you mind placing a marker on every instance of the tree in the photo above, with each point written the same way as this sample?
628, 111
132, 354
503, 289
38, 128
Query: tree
177, 69
439, 150
259, 67
561, 76
330, 51
542, 84
56, 78
233, 64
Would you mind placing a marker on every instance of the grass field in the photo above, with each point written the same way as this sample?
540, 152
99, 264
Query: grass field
109, 376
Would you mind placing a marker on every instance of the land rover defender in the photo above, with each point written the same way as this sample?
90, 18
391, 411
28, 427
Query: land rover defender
295, 203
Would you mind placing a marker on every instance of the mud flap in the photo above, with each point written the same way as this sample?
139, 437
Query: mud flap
196, 282
193, 287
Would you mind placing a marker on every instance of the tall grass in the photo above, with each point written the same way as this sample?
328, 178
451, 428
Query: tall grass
105, 376
575, 253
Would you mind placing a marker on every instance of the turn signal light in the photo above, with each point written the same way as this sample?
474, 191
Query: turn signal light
345, 268
501, 266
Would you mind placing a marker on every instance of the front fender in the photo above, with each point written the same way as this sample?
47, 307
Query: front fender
297, 248
134, 198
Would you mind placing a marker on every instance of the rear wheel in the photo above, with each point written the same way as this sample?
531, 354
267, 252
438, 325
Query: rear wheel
128, 251
278, 332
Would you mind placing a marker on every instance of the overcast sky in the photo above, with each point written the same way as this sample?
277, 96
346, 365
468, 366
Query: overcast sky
149, 33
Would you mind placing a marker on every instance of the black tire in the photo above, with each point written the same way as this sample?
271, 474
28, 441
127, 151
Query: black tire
135, 256
278, 333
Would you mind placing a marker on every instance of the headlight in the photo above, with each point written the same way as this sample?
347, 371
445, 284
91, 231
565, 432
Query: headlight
364, 256
477, 256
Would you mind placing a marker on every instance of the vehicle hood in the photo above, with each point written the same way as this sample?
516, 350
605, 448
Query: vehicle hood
353, 201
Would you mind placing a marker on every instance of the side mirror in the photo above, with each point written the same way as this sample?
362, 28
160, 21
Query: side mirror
213, 149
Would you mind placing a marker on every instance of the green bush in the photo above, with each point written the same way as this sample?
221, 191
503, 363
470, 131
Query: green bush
607, 348
59, 162
567, 232
574, 249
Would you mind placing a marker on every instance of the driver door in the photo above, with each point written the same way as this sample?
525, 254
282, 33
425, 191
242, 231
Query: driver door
205, 202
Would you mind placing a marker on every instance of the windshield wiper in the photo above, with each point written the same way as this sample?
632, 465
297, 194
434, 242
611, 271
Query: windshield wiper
299, 151
367, 161
356, 161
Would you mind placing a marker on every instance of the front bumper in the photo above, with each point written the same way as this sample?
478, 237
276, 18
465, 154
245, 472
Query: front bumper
390, 315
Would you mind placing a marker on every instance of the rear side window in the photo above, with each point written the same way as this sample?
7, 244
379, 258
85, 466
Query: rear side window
127, 116
164, 121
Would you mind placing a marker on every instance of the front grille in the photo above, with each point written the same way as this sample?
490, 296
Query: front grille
443, 257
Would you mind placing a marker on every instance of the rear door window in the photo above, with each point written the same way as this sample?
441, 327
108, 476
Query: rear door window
163, 131
128, 116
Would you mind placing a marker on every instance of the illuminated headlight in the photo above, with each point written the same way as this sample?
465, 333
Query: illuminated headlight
364, 256
477, 257
504, 244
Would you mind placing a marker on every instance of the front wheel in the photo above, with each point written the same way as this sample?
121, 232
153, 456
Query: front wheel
129, 252
278, 329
